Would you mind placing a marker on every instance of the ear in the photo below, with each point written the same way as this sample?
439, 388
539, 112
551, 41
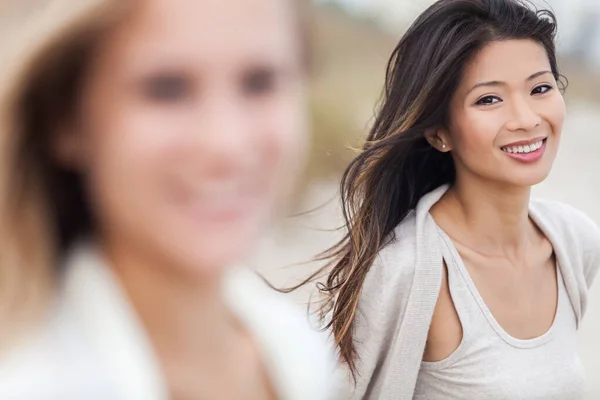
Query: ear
439, 139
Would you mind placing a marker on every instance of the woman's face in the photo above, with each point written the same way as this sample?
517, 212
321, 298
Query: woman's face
507, 116
191, 127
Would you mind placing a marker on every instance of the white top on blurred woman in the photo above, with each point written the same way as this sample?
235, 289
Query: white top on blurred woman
145, 145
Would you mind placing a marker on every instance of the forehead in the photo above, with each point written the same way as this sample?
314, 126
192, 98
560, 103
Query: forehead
506, 61
207, 30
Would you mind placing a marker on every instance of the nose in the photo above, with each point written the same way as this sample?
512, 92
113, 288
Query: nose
223, 133
523, 116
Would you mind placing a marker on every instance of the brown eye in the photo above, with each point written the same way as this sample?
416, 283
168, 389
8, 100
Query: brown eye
488, 101
167, 88
542, 89
259, 82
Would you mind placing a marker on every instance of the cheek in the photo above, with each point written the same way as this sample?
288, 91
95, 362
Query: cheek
130, 143
555, 114
283, 127
474, 134
126, 165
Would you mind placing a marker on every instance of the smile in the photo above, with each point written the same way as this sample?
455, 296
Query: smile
524, 149
525, 152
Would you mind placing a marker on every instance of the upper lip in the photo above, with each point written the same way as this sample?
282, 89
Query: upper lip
525, 142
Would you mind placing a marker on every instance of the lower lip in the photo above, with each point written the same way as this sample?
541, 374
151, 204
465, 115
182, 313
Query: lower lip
528, 158
228, 211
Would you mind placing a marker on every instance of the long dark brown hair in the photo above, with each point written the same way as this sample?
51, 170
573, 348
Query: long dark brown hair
397, 166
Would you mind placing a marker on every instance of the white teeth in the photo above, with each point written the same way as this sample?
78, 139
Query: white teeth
524, 149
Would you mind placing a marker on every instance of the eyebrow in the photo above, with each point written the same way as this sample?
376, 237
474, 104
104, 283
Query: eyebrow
499, 83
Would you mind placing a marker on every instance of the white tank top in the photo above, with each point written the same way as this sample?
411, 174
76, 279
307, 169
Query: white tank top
491, 364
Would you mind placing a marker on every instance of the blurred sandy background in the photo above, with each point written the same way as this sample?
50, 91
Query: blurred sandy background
352, 41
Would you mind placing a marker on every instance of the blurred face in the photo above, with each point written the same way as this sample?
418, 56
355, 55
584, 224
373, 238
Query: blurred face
193, 127
507, 115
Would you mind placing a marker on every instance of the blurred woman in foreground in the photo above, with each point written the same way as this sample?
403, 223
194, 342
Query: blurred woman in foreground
144, 147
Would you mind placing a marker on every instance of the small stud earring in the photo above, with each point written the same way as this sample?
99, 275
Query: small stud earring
443, 145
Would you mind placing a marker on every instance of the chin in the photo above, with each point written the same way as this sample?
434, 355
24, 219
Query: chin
528, 178
203, 250
214, 255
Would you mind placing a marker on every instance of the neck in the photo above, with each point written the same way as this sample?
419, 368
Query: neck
496, 217
186, 320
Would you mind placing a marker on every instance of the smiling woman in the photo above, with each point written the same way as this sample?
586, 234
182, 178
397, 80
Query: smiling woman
510, 105
451, 282
145, 146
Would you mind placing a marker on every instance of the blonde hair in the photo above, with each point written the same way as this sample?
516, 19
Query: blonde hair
44, 58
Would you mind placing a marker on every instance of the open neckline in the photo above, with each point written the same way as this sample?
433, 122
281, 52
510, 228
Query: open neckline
496, 326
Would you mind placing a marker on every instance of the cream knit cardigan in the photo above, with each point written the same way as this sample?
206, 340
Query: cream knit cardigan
401, 289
